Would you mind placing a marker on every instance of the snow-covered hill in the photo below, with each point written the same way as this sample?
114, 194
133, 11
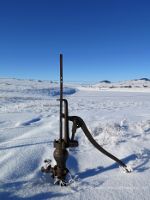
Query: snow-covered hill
142, 84
29, 123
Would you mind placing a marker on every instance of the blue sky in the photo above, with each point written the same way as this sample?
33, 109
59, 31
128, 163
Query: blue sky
100, 39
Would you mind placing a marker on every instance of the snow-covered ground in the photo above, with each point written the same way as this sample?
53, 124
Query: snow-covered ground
29, 123
137, 85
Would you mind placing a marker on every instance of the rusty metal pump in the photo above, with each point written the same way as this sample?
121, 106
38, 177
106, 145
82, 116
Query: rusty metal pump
60, 171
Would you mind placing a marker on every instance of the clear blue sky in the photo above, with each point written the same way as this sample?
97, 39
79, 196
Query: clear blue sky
100, 39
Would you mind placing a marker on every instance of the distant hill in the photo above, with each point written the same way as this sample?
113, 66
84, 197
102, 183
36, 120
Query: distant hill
136, 83
105, 81
144, 79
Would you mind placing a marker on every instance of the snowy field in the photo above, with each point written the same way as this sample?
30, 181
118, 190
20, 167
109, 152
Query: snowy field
29, 123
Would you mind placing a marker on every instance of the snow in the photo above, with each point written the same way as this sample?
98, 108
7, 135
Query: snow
29, 123
137, 85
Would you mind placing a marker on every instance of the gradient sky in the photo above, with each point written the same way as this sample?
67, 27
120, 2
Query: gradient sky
100, 39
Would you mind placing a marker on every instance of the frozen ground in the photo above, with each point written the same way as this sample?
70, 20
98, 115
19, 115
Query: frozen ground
29, 122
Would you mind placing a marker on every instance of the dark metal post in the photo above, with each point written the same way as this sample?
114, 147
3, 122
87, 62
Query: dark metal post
61, 95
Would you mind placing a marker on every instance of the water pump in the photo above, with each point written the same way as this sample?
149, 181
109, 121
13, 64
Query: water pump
60, 171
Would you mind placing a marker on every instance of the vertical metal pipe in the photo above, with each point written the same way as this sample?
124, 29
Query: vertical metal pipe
61, 95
